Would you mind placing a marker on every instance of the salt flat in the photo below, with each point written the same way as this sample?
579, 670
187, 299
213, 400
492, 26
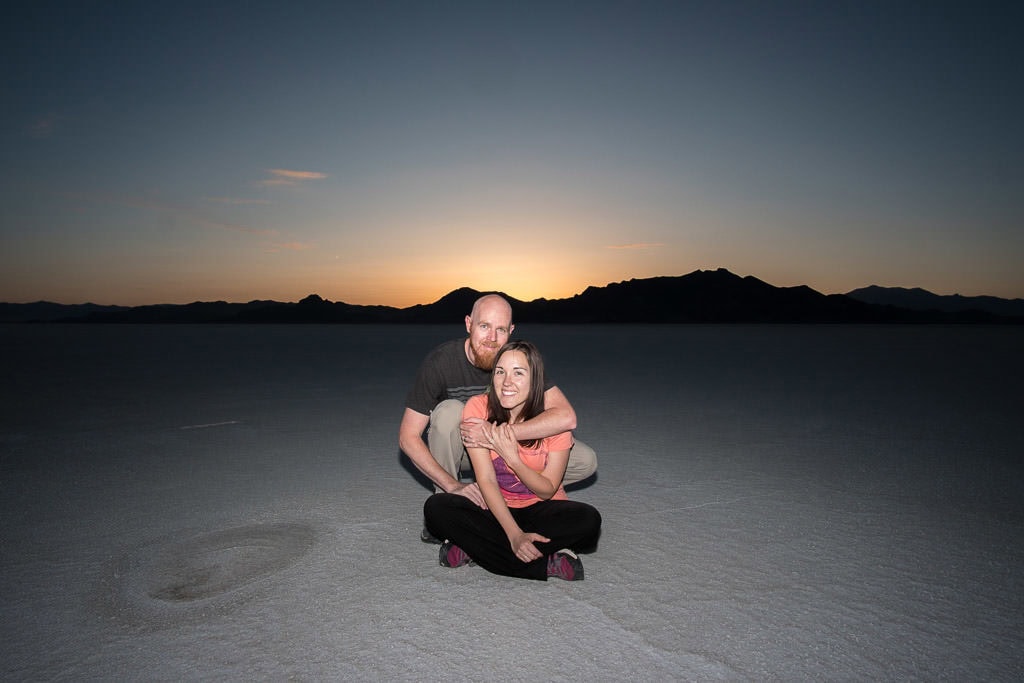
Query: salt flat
779, 503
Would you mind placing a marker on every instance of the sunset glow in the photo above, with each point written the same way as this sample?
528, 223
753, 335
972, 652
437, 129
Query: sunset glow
388, 155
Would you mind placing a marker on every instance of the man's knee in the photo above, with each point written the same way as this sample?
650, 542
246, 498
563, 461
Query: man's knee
582, 463
444, 438
446, 415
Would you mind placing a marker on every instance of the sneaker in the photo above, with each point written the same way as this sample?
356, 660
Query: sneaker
565, 564
428, 537
451, 555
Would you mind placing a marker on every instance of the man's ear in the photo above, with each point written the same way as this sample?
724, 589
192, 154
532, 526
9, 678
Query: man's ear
469, 323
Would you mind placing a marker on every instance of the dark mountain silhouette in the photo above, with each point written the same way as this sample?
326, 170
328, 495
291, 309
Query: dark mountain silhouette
918, 299
703, 296
44, 311
452, 307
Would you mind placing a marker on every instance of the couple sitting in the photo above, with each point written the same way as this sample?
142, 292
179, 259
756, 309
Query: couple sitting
515, 519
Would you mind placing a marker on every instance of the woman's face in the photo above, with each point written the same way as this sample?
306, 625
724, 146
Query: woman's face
512, 381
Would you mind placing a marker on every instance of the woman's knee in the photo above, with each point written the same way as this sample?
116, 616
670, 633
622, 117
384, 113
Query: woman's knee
437, 502
586, 518
441, 504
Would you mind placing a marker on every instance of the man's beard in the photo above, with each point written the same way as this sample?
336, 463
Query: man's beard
484, 357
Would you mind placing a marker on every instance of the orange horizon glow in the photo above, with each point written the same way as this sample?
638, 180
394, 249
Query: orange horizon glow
403, 291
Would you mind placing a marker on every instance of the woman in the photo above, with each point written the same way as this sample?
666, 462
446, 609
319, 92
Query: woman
530, 528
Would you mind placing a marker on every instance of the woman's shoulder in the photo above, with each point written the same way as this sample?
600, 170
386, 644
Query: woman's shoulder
476, 406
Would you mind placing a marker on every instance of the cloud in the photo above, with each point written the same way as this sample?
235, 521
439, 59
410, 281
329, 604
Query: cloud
287, 178
636, 245
297, 175
43, 127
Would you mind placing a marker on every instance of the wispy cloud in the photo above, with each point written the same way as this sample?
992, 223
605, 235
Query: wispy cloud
297, 175
44, 126
285, 177
636, 245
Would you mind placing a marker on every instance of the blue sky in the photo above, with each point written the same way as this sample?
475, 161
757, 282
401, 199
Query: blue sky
387, 153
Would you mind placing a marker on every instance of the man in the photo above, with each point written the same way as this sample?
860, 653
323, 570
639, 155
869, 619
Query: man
452, 373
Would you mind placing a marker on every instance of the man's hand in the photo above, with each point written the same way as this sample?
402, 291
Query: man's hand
474, 433
471, 491
524, 548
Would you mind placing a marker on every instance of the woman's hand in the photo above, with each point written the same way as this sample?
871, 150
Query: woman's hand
523, 545
503, 441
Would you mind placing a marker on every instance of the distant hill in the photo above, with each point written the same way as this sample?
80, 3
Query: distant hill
703, 296
46, 311
918, 299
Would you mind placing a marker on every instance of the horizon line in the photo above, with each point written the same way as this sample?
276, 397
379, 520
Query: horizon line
505, 294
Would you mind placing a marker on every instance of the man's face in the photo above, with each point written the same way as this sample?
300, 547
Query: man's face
488, 328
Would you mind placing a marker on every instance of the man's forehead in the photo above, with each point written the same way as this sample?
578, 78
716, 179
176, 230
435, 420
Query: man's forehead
494, 321
494, 313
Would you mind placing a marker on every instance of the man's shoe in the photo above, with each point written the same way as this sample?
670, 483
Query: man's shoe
428, 537
451, 555
565, 564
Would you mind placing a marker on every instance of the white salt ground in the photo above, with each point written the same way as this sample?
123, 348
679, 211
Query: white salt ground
780, 503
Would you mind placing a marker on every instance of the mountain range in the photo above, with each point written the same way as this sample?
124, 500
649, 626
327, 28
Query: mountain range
703, 296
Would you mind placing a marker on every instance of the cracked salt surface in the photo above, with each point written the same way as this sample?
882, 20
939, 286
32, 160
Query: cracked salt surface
833, 502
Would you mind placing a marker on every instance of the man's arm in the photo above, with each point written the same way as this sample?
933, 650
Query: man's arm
410, 440
558, 417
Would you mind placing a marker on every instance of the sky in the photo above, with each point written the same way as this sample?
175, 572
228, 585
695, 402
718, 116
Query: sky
390, 152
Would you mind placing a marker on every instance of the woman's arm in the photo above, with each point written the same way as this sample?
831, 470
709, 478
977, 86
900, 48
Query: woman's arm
545, 483
520, 541
487, 480
558, 417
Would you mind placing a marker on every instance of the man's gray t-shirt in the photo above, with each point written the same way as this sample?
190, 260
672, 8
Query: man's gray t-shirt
447, 373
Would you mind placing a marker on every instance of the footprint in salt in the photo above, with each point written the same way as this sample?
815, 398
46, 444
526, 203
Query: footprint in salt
190, 577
